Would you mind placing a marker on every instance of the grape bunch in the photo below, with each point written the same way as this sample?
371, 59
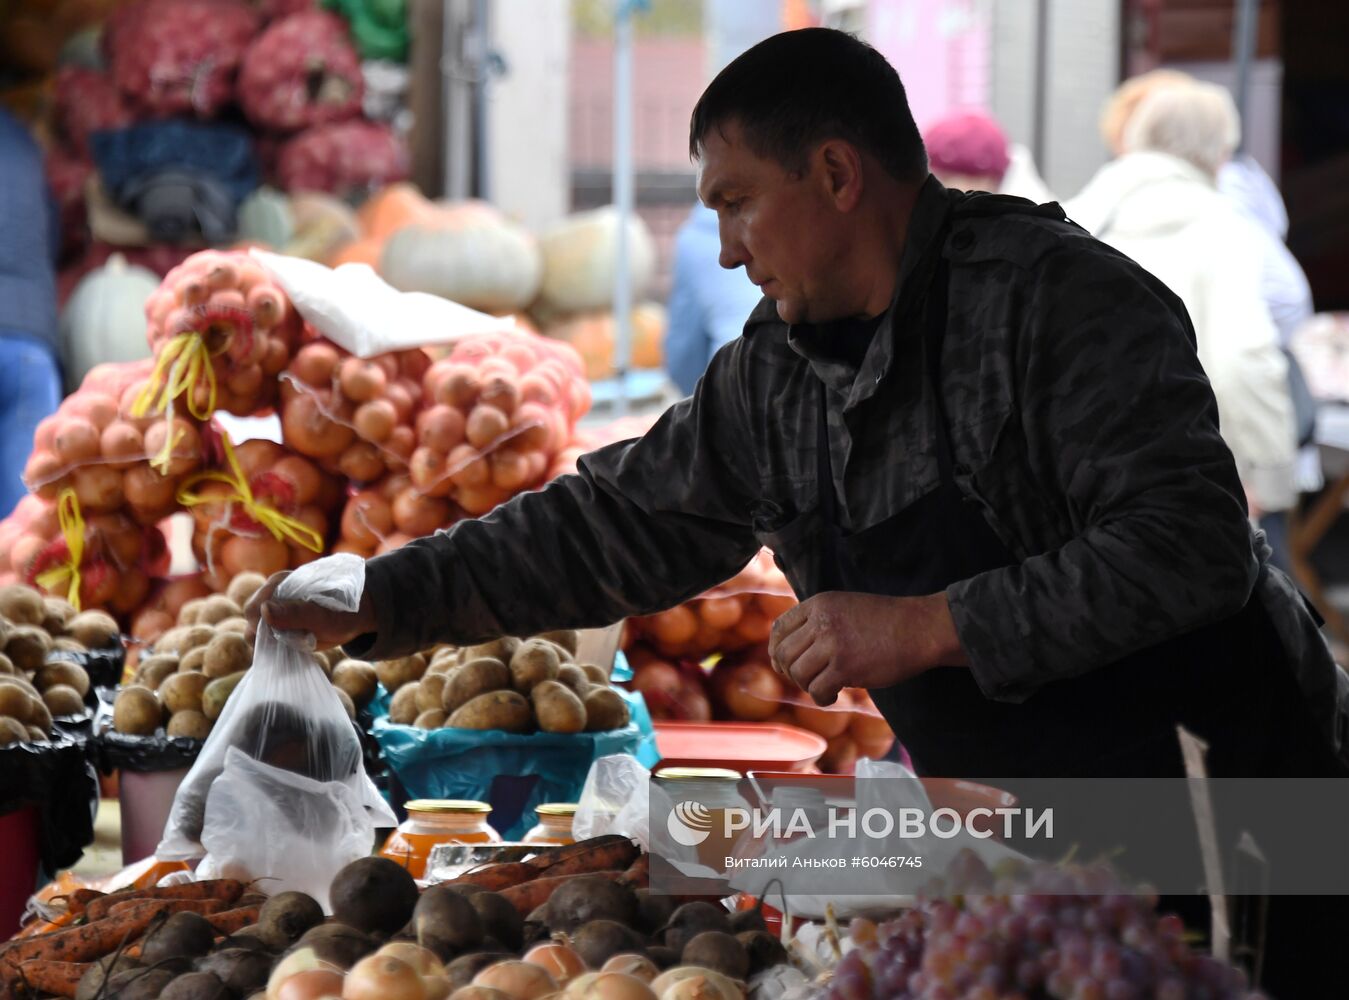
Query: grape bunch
1037, 932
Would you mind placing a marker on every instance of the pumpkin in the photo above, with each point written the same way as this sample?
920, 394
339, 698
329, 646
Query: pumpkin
580, 255
105, 318
323, 225
484, 265
593, 336
265, 217
391, 208
362, 251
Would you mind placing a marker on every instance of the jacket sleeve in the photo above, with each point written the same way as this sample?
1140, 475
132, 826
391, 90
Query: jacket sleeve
1121, 428
644, 525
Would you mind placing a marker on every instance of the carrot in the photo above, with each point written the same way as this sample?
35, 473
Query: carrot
529, 896
592, 855
76, 944
498, 876
168, 906
77, 901
233, 921
58, 978
225, 890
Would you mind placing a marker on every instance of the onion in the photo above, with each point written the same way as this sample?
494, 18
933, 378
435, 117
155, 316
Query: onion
480, 500
478, 993
245, 381
840, 755
306, 429
437, 987
520, 980
502, 392
441, 427
121, 444
314, 364
361, 462
674, 627
98, 487
362, 380
42, 474
720, 612
146, 490
184, 453
560, 961
633, 965
774, 606
265, 555
45, 433
76, 440
468, 468
402, 442
302, 476
828, 722
402, 398
533, 428
366, 519
608, 986
754, 626
98, 408
510, 469
151, 623
485, 425
383, 977
428, 472
703, 984
422, 959
375, 420
417, 514
752, 691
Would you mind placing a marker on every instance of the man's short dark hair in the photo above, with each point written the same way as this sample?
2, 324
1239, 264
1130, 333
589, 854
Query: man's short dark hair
800, 88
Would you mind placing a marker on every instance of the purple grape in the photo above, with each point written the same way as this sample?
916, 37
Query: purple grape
852, 978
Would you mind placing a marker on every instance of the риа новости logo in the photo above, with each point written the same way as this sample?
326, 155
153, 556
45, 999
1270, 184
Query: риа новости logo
689, 823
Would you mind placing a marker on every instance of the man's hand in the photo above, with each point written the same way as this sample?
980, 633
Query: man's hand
329, 628
837, 640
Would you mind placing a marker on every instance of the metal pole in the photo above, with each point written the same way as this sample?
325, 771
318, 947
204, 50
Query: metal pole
623, 197
1243, 52
482, 35
458, 103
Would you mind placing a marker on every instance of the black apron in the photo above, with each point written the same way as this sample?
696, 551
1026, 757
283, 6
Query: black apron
1221, 681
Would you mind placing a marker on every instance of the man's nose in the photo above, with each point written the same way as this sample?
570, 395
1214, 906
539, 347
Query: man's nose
732, 255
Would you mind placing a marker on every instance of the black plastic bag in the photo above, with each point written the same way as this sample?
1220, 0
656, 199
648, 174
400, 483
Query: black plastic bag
57, 777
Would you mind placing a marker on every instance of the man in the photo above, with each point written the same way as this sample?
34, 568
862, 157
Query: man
979, 442
30, 381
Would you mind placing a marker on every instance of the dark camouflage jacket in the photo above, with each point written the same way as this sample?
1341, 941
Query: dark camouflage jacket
1082, 426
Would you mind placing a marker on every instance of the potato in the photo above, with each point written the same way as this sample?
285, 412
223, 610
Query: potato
62, 672
6, 666
567, 638
506, 710
348, 705
28, 647
440, 668
243, 587
430, 692
432, 718
12, 730
595, 674
558, 708
498, 649
534, 662
194, 662
42, 717
358, 679
56, 613
574, 677
324, 665
21, 605
184, 638
65, 644
563, 656
94, 629
152, 672
16, 703
334, 656
227, 653
190, 612
393, 674
191, 725
217, 608
239, 626
217, 693
136, 711
403, 707
605, 710
63, 700
182, 692
35, 734
473, 679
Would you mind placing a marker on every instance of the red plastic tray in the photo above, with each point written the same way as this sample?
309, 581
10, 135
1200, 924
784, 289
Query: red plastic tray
742, 746
950, 793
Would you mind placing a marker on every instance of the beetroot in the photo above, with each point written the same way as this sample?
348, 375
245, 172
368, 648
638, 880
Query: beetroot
179, 56
302, 71
346, 158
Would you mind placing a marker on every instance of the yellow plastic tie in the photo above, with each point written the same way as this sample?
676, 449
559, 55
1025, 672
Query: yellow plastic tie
72, 527
282, 527
183, 362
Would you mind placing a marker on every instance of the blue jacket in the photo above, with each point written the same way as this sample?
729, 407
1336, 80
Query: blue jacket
27, 238
708, 304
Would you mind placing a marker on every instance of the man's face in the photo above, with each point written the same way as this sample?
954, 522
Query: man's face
781, 227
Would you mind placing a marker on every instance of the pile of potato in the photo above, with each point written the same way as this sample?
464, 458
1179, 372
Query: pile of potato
36, 681
519, 686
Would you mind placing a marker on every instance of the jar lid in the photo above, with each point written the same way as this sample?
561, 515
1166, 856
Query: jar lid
698, 774
446, 806
557, 809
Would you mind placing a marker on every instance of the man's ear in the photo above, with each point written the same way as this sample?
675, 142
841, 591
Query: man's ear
839, 167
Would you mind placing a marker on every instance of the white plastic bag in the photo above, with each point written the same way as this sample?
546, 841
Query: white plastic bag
359, 311
615, 799
279, 791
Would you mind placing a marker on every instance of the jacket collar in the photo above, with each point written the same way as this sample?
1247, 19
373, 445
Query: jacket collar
810, 340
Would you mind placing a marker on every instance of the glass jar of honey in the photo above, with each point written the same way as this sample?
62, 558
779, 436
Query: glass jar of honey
437, 821
702, 797
554, 826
